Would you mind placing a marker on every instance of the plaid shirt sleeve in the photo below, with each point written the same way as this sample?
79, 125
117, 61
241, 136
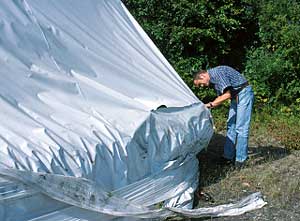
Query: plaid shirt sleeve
224, 85
225, 78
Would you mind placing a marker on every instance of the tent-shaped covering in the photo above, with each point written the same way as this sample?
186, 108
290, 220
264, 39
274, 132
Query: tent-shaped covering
80, 83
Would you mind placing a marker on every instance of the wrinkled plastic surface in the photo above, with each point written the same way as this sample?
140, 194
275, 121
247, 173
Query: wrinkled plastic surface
89, 195
80, 82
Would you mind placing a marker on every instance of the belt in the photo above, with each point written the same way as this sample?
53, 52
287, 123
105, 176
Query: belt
242, 86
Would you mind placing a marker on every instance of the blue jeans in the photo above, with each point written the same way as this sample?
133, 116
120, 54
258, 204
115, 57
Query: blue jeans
238, 124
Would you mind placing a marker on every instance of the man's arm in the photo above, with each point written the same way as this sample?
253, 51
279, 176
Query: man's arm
219, 100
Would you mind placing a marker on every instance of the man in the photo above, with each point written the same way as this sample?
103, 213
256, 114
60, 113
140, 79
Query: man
230, 84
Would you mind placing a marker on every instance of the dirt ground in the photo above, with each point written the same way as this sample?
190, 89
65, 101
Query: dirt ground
271, 169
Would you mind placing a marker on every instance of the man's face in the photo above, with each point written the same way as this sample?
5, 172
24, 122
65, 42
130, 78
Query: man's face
202, 80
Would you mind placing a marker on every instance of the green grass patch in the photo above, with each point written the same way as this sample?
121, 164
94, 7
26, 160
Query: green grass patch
273, 167
268, 125
277, 180
282, 127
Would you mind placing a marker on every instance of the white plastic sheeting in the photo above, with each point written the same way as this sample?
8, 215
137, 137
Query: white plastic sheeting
78, 84
89, 195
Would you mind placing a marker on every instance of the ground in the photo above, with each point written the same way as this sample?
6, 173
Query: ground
271, 169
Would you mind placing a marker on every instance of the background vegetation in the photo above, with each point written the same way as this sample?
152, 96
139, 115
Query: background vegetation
259, 38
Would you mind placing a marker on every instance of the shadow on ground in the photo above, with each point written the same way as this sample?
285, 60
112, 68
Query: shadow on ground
212, 171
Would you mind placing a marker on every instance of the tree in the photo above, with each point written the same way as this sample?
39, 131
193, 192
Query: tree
197, 34
274, 65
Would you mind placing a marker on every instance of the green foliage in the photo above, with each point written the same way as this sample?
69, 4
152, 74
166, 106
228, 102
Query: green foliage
198, 34
282, 125
259, 38
274, 67
268, 125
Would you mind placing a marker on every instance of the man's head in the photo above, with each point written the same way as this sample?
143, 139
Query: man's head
201, 79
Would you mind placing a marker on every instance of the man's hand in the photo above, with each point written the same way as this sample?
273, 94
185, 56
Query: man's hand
219, 100
209, 105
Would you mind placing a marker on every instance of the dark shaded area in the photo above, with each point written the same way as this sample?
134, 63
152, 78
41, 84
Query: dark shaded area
210, 165
258, 38
161, 106
195, 34
213, 171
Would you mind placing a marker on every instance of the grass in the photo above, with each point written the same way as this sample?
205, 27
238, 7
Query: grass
273, 167
281, 127
268, 126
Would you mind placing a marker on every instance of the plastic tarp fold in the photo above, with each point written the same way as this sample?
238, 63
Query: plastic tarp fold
80, 82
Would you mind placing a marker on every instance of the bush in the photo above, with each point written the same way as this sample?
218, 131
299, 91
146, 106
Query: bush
274, 67
258, 38
195, 35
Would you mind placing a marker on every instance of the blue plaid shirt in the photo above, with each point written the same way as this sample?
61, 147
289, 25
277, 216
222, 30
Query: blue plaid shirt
226, 78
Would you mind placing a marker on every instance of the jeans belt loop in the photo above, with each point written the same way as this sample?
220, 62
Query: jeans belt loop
242, 86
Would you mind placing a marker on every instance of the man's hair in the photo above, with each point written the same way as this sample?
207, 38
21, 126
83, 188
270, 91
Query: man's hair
197, 75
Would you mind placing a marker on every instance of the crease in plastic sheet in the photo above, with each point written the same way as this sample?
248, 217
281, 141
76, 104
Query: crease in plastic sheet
78, 83
88, 195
